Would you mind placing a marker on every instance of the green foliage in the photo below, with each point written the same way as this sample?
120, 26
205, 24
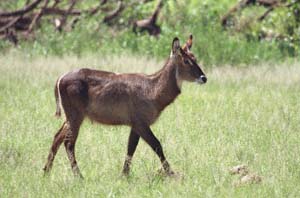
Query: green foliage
280, 26
212, 45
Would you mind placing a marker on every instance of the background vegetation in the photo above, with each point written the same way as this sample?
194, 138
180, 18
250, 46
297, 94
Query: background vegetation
245, 40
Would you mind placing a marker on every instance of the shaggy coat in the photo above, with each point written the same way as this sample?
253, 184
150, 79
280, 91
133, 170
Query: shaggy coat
135, 100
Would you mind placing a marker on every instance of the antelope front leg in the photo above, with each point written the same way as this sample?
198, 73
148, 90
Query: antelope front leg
146, 133
133, 141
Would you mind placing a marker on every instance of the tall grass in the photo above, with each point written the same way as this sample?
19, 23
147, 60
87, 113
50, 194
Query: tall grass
241, 116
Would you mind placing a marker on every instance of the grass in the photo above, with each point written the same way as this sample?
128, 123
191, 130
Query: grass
241, 116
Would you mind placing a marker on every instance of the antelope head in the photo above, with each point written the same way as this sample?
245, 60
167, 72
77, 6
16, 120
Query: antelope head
187, 67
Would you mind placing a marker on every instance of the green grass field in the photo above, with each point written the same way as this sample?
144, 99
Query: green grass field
241, 116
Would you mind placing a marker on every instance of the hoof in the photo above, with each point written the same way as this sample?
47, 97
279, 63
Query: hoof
125, 173
46, 171
175, 175
170, 174
79, 176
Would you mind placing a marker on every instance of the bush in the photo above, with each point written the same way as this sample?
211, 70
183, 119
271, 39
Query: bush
212, 45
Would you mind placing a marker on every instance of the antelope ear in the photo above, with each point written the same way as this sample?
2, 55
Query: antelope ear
175, 46
188, 45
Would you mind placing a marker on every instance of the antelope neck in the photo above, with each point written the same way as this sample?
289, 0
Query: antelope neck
166, 85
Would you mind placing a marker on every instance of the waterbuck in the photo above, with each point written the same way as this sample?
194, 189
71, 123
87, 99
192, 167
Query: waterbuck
135, 100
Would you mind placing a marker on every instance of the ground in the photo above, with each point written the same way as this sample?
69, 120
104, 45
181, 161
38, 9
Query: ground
246, 115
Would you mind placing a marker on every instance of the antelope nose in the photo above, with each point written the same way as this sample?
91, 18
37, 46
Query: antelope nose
203, 78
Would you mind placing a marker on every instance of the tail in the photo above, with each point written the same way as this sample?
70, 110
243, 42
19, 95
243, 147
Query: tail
58, 97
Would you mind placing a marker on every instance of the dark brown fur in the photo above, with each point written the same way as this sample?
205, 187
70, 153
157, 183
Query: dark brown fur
135, 100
